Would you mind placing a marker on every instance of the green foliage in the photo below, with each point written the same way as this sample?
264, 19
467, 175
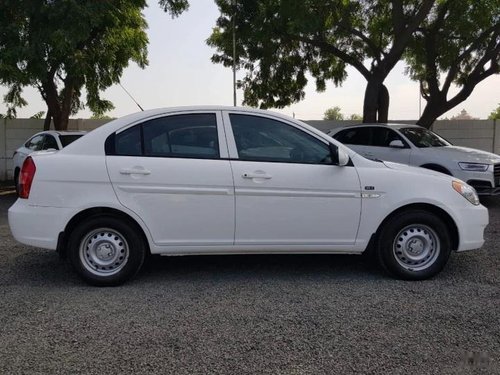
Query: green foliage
174, 7
14, 100
96, 116
38, 115
459, 43
356, 117
64, 46
280, 43
495, 115
333, 113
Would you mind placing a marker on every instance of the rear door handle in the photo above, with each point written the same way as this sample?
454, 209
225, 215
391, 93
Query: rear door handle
262, 175
135, 171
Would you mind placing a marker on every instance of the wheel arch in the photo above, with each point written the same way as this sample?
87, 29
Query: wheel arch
436, 168
439, 212
94, 211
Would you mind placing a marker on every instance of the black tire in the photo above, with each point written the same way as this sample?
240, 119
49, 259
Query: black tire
106, 251
413, 245
437, 168
16, 180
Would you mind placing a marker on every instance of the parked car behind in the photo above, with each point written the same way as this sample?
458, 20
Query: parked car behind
226, 180
415, 145
46, 140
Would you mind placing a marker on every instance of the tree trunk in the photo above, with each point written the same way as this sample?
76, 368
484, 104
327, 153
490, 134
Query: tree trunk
376, 102
383, 104
430, 114
48, 119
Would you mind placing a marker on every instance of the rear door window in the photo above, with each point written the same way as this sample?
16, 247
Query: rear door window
356, 136
182, 136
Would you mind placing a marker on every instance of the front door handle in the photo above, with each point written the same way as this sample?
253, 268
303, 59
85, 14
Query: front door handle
135, 170
257, 174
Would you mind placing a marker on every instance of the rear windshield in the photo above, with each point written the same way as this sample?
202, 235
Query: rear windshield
422, 137
68, 138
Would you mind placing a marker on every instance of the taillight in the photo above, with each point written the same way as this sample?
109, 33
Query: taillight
26, 177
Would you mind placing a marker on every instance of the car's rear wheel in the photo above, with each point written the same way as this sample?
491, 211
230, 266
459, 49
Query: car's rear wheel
106, 251
414, 245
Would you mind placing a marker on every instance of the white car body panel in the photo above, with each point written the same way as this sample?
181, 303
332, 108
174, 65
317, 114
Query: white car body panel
204, 206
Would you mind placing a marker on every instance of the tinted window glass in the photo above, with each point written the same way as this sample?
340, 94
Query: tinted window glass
422, 137
263, 139
50, 142
35, 143
68, 138
361, 136
382, 137
182, 136
128, 142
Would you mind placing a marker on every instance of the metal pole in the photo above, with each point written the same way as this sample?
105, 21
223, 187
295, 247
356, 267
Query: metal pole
234, 56
420, 100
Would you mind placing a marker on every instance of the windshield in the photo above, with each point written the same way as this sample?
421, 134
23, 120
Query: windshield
422, 137
68, 138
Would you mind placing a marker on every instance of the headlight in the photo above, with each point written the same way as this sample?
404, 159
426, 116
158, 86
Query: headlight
466, 191
473, 167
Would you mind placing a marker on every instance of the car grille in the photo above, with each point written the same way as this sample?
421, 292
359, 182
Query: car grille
496, 173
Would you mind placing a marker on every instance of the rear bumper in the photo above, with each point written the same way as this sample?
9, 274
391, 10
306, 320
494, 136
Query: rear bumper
37, 226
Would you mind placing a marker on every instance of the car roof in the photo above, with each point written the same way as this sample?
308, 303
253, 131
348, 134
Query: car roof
90, 145
378, 125
384, 125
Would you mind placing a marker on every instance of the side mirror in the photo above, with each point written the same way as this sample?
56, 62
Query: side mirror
339, 157
396, 144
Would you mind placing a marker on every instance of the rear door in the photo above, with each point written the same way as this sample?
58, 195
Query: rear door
173, 172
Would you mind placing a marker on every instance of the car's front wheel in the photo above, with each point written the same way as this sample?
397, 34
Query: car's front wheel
414, 245
106, 251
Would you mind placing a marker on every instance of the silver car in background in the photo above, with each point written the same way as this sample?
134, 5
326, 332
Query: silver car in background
418, 146
46, 140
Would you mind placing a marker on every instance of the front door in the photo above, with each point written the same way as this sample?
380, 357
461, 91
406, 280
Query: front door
287, 190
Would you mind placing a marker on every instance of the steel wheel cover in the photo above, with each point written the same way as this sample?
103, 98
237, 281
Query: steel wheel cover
104, 252
416, 247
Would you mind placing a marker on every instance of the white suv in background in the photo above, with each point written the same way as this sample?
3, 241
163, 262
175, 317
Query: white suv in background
226, 180
415, 145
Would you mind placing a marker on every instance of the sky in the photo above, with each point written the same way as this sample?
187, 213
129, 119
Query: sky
180, 73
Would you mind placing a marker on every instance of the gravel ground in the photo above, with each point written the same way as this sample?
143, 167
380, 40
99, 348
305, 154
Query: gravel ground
250, 315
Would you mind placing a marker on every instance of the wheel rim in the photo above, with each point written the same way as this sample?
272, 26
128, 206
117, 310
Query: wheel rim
104, 252
416, 247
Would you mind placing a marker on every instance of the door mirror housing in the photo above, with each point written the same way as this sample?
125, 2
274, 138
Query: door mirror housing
339, 157
396, 144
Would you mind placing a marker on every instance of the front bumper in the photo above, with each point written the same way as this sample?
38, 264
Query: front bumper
485, 190
471, 222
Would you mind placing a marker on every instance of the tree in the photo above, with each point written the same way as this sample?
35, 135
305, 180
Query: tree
278, 42
356, 117
333, 113
38, 115
458, 43
495, 115
62, 47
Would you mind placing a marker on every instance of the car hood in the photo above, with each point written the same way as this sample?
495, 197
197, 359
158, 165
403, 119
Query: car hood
417, 170
466, 154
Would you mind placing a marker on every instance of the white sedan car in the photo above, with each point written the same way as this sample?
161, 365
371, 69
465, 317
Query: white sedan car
226, 180
415, 145
46, 140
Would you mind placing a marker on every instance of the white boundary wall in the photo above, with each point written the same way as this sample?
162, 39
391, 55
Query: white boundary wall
480, 134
